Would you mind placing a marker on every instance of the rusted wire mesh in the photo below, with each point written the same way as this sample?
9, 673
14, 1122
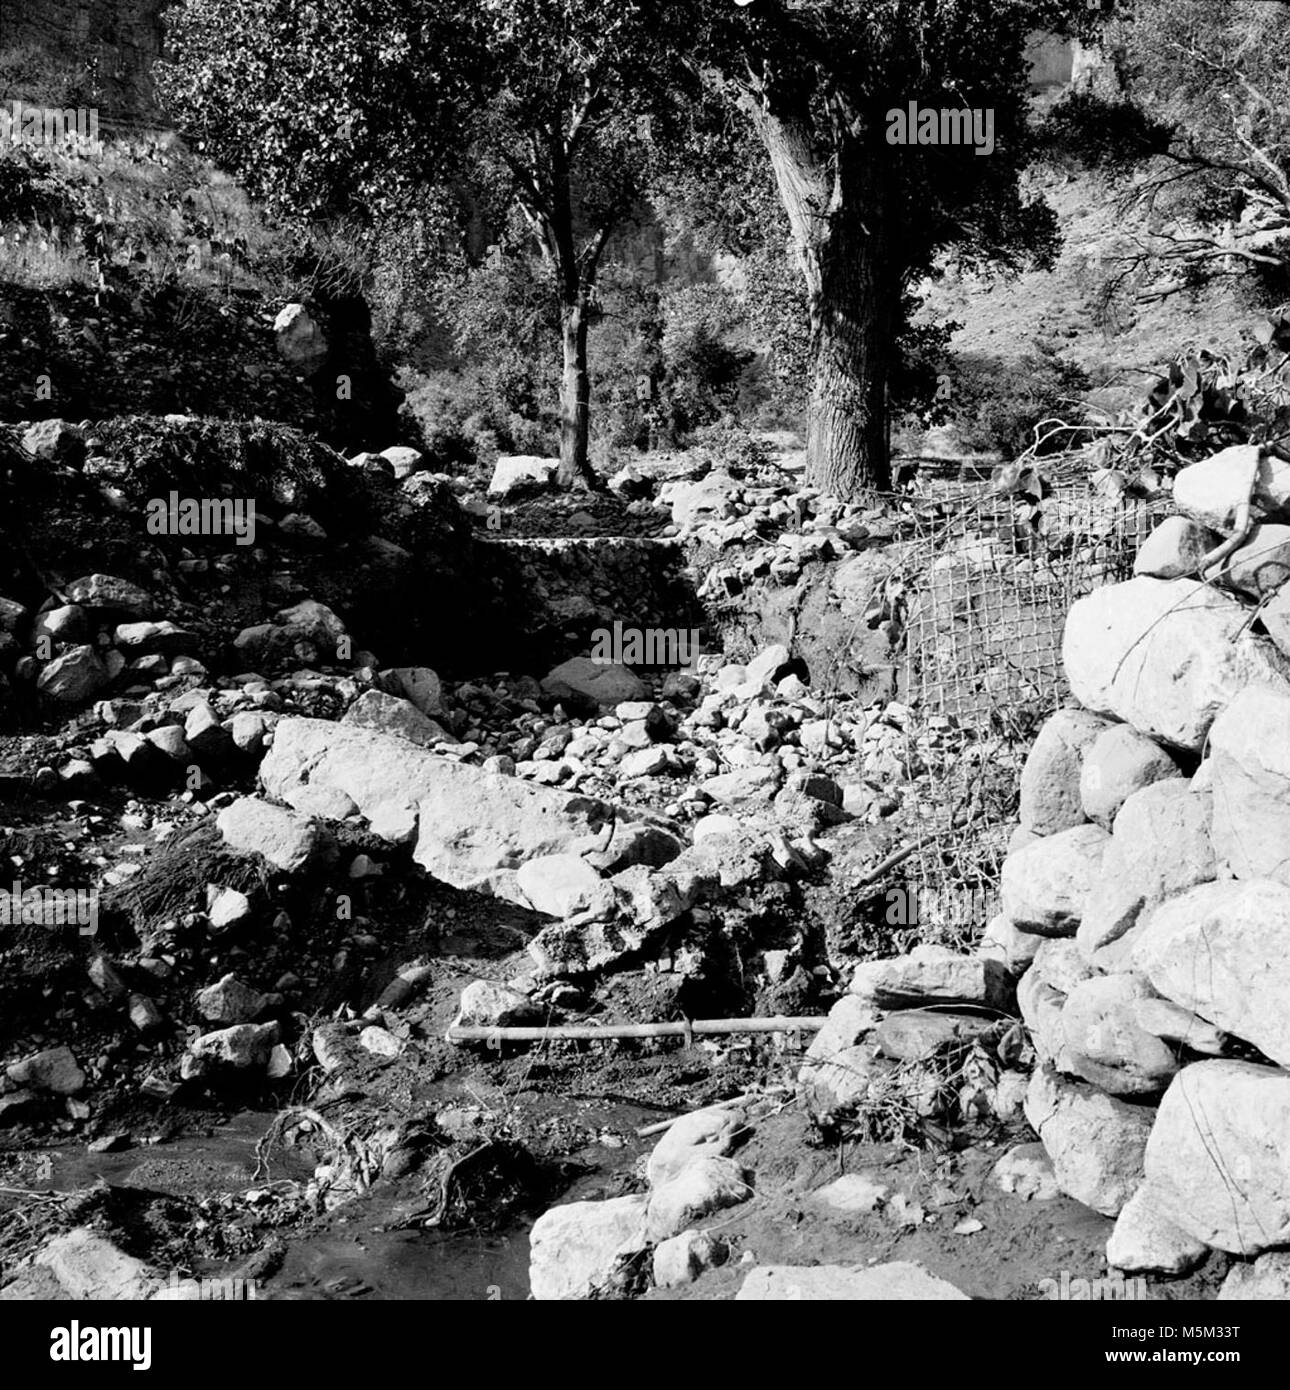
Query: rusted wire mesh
991, 582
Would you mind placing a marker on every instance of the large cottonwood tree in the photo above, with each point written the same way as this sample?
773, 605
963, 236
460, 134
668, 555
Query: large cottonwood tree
816, 79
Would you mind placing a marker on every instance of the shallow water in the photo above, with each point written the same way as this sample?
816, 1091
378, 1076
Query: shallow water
350, 1254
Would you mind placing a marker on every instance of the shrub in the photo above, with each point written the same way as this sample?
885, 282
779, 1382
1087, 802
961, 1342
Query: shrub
701, 369
995, 403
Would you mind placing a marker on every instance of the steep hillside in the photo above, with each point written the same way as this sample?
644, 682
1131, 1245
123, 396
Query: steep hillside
107, 47
1121, 342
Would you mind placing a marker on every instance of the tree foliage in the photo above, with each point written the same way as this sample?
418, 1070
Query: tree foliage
546, 107
1216, 78
868, 219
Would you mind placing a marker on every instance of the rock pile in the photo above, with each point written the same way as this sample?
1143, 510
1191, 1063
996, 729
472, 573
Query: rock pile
1148, 889
583, 1248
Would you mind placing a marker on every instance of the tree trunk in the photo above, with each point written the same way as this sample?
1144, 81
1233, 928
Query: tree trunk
834, 201
851, 333
575, 400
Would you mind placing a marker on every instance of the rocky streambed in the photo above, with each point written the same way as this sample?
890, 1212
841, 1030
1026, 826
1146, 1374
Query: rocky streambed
328, 888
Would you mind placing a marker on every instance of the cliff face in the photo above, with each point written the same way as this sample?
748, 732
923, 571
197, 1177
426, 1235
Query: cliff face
112, 43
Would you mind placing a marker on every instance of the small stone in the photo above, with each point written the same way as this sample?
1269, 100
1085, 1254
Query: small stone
681, 1259
1026, 1171
380, 1042
144, 1014
226, 907
230, 1001
242, 1046
852, 1193
488, 1004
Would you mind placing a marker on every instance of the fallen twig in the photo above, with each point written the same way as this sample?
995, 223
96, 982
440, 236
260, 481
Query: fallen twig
892, 860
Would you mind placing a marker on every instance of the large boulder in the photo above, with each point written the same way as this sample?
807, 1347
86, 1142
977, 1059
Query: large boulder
1262, 565
1164, 656
73, 678
55, 441
1213, 490
700, 1134
146, 639
1119, 762
681, 1259
417, 684
708, 499
1041, 1006
1176, 549
230, 1001
708, 1183
564, 885
1218, 1163
837, 1060
1145, 1241
88, 1267
404, 461
577, 1249
1050, 780
478, 829
1096, 1142
389, 714
240, 1047
1160, 847
1059, 962
289, 841
931, 974
475, 828
1250, 775
588, 682
306, 632
300, 340
1045, 884
1276, 619
514, 473
109, 593
1179, 1026
1105, 1043
1265, 1279
53, 1069
1219, 950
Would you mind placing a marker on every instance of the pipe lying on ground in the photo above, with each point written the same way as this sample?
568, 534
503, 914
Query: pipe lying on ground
700, 1027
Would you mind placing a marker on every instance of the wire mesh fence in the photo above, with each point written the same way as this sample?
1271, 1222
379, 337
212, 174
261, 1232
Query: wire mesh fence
986, 611
992, 579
